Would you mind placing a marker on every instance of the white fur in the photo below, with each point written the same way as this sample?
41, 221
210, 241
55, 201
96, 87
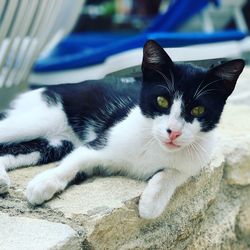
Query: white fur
35, 119
11, 162
44, 186
29, 117
135, 148
90, 134
4, 181
158, 192
8, 162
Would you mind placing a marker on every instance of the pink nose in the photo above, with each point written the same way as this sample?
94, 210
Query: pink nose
174, 134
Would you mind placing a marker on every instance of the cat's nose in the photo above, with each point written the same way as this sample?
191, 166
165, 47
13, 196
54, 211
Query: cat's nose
173, 134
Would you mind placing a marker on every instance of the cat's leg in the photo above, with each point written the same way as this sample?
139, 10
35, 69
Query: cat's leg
15, 126
45, 185
158, 192
4, 181
4, 178
30, 153
32, 116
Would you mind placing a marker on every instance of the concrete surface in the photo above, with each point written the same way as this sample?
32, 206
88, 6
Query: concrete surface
211, 211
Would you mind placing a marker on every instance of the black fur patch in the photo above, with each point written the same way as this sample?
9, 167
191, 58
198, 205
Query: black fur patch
55, 153
3, 115
50, 97
195, 85
98, 143
48, 153
79, 178
96, 104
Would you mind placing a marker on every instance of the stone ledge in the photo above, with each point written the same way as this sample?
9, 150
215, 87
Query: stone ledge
235, 143
28, 234
243, 224
203, 214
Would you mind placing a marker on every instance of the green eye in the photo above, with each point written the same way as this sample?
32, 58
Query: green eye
162, 102
198, 111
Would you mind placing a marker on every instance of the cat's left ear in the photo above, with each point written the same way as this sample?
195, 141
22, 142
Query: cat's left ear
229, 73
156, 63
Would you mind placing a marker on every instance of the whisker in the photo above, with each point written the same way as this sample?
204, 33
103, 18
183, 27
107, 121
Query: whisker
162, 74
165, 87
204, 87
197, 90
202, 148
205, 92
193, 152
197, 153
190, 153
203, 156
168, 81
172, 80
146, 146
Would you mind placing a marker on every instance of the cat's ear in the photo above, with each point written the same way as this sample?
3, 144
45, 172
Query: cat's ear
156, 63
229, 73
155, 55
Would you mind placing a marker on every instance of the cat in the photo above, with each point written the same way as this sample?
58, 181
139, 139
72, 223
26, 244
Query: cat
160, 128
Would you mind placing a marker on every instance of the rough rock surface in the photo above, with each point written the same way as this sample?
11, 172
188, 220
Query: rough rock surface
210, 211
28, 234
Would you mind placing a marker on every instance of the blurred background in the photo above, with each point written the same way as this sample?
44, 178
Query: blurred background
66, 41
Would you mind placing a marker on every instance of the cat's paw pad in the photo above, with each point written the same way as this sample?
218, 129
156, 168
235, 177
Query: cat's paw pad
4, 182
42, 188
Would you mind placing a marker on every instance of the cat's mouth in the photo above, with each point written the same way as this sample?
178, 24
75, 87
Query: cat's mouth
172, 145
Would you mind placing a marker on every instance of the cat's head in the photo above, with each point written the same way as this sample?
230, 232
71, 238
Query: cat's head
184, 101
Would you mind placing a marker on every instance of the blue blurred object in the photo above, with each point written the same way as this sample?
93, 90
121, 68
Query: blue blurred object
71, 53
178, 12
82, 50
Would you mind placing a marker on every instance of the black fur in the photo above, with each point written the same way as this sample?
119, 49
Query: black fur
50, 97
79, 178
97, 104
3, 115
47, 152
168, 79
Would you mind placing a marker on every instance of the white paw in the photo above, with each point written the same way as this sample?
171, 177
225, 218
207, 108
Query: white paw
154, 198
43, 187
150, 208
4, 182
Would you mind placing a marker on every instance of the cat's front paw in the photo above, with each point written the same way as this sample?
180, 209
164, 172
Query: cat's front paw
4, 182
154, 198
43, 187
149, 208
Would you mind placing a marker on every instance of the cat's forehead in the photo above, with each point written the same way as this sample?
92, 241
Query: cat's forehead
188, 76
184, 81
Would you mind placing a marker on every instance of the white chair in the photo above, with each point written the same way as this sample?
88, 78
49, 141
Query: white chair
26, 28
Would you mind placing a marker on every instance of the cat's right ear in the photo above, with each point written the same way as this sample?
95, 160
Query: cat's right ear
228, 74
156, 63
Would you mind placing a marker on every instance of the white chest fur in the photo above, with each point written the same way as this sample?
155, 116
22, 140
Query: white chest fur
133, 149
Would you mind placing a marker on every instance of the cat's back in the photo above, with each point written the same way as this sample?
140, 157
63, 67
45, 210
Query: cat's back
97, 104
95, 93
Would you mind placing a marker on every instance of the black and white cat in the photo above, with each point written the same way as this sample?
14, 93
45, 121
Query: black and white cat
160, 128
